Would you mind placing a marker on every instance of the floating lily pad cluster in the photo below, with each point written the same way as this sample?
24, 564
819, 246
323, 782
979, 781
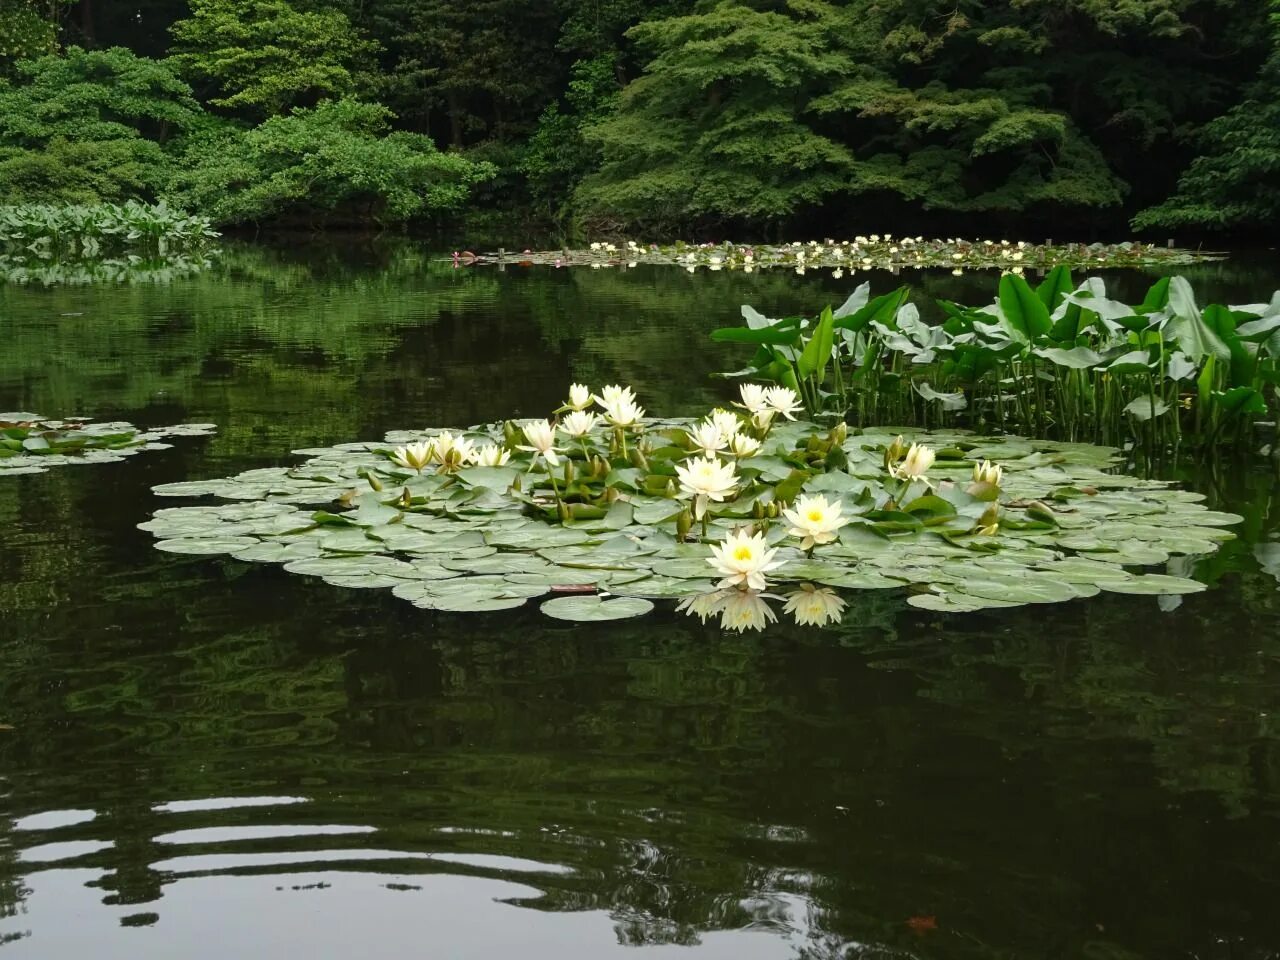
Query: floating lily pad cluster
607, 518
863, 252
31, 444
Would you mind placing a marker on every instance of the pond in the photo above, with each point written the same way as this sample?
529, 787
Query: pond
204, 758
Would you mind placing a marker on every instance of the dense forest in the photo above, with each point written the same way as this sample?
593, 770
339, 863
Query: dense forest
654, 116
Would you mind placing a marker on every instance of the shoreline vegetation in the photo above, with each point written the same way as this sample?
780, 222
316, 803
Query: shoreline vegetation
704, 118
862, 252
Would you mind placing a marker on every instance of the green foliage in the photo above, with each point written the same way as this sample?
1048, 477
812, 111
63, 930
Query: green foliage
28, 28
1235, 183
336, 160
86, 126
711, 128
265, 57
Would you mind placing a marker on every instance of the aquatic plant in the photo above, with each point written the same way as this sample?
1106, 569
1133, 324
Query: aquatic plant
31, 444
97, 230
154, 269
861, 253
1058, 358
624, 514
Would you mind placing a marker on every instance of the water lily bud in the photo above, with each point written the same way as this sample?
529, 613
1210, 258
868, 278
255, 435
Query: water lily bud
612, 494
374, 482
638, 459
840, 434
406, 498
671, 488
775, 509
757, 510
511, 433
518, 483
569, 471
684, 523
564, 512
601, 467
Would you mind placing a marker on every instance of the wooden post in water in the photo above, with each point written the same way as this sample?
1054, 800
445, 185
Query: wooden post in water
1170, 243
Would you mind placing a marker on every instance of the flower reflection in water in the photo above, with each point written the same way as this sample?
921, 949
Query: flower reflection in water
744, 610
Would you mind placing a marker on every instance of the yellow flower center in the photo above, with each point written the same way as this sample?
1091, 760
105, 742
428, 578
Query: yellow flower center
743, 553
815, 516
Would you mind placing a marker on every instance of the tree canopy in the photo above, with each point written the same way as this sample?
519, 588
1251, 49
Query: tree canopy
671, 114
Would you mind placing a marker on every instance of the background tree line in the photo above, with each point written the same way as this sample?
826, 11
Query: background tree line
654, 115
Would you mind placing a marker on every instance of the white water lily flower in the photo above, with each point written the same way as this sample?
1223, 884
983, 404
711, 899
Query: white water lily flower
706, 479
708, 437
726, 421
624, 412
916, 463
456, 453
746, 268
542, 438
743, 610
743, 558
814, 606
763, 418
579, 396
741, 445
443, 444
1017, 255
690, 257
414, 456
837, 273
595, 246
492, 455
783, 400
814, 520
613, 393
754, 398
987, 472
579, 423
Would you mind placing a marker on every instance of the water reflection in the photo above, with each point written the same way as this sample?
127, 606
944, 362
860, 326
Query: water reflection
210, 758
741, 610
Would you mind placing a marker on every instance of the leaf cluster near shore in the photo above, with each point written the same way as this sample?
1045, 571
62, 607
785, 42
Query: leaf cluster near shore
861, 253
31, 444
606, 534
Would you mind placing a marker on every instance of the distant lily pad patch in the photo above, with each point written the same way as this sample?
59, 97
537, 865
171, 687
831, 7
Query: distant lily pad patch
602, 520
29, 443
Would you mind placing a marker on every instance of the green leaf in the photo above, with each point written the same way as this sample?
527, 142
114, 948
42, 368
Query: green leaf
1077, 358
590, 609
1024, 311
1056, 285
813, 361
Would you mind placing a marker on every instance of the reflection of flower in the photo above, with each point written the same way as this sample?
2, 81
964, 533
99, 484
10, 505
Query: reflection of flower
492, 455
415, 456
745, 609
814, 606
579, 423
744, 558
542, 437
987, 472
916, 463
708, 437
703, 606
782, 400
579, 396
814, 520
705, 479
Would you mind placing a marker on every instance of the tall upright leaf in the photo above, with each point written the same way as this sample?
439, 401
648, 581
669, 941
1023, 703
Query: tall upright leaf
1024, 311
813, 361
1186, 326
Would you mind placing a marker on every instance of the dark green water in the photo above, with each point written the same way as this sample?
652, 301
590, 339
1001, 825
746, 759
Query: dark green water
211, 759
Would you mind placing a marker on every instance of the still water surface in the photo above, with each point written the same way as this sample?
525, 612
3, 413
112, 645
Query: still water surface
212, 759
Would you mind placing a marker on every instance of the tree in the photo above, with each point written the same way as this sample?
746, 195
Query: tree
1235, 184
333, 161
28, 28
712, 129
89, 126
264, 57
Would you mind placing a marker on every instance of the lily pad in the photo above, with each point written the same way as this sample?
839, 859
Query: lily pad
594, 609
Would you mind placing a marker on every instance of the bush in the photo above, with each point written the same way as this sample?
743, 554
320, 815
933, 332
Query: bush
335, 161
